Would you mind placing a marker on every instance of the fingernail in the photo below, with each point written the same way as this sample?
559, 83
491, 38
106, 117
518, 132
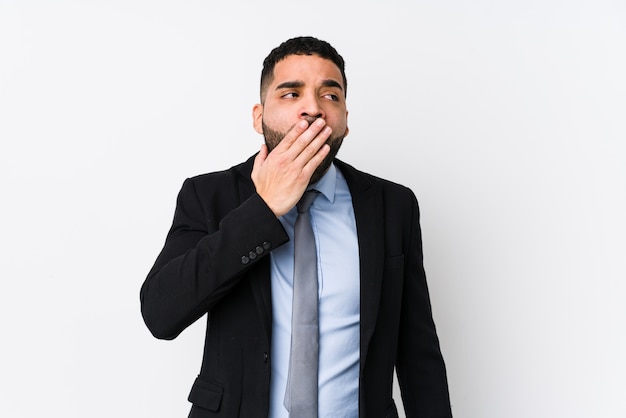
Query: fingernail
320, 122
303, 124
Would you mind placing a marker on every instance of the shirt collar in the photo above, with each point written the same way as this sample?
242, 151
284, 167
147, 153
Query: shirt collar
327, 184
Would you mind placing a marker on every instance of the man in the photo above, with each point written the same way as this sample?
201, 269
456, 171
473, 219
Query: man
230, 254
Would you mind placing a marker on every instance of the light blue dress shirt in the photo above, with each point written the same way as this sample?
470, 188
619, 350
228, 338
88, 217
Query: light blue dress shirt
334, 226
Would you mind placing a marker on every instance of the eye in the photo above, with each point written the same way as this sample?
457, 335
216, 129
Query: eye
332, 97
290, 95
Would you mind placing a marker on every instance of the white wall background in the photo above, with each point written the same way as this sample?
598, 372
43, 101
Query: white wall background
506, 118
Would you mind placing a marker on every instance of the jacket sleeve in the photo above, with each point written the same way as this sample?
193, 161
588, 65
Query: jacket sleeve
204, 257
419, 364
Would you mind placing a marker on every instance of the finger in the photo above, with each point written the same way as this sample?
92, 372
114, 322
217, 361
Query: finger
309, 168
259, 159
304, 139
262, 155
293, 134
313, 147
308, 137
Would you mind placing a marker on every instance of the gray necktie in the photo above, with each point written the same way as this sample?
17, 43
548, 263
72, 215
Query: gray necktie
301, 394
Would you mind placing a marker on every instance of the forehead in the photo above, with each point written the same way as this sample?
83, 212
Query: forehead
307, 68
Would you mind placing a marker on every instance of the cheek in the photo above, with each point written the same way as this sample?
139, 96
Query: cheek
278, 120
339, 126
336, 115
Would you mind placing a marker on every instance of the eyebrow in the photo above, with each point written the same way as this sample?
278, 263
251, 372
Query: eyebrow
332, 83
298, 84
290, 85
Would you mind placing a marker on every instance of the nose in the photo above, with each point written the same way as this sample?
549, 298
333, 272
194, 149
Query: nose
311, 108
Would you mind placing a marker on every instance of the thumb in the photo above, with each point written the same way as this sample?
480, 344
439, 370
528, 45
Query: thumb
261, 156
259, 160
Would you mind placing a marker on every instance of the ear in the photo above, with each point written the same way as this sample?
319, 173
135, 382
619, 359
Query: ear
257, 118
347, 130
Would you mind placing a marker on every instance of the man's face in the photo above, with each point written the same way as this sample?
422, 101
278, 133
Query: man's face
304, 87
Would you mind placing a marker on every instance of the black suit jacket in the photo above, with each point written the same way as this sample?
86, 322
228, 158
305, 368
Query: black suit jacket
215, 260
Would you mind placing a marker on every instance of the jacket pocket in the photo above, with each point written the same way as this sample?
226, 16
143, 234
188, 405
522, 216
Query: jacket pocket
206, 394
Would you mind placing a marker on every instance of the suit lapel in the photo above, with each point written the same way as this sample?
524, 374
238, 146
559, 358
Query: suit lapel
368, 212
259, 276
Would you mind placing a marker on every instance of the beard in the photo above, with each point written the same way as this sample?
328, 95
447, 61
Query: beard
273, 138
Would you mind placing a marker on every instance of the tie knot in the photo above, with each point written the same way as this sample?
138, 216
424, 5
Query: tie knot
306, 200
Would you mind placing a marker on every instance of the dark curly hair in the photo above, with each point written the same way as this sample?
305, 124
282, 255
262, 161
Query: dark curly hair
302, 45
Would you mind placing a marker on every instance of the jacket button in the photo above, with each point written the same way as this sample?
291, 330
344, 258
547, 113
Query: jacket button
265, 357
259, 250
245, 260
267, 245
252, 255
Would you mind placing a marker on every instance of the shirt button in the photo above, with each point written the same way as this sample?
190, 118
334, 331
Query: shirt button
245, 260
252, 255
